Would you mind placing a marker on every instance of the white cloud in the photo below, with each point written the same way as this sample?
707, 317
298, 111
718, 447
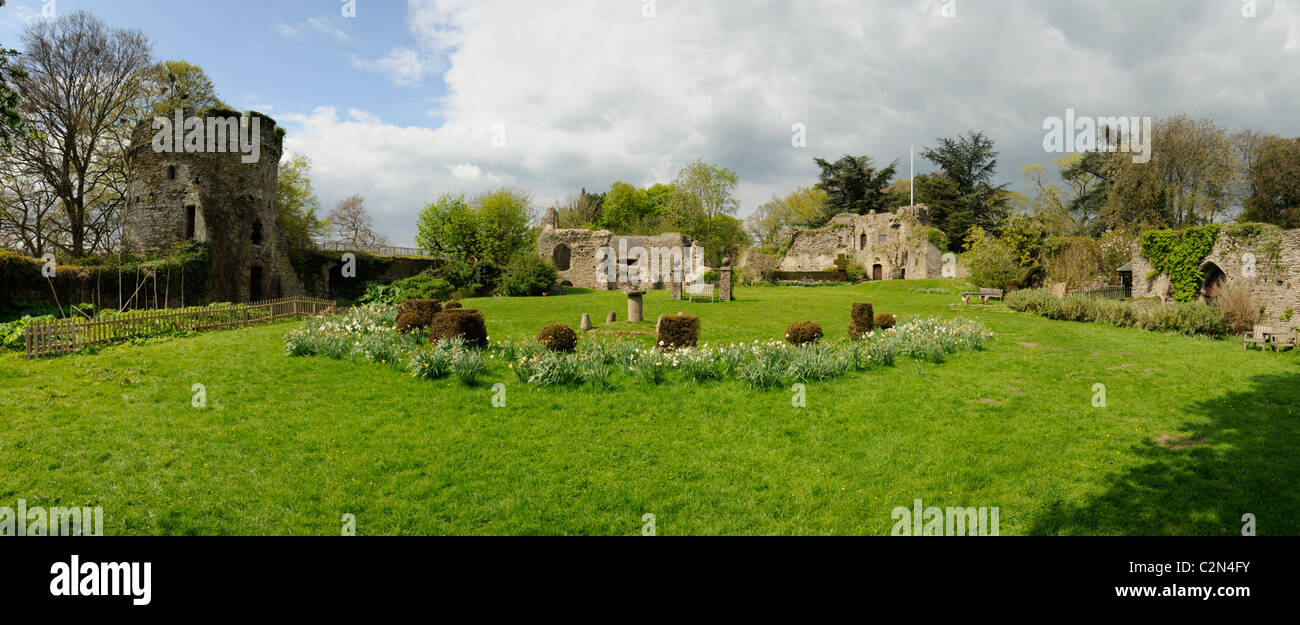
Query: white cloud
288, 32
322, 25
591, 92
326, 26
465, 171
403, 66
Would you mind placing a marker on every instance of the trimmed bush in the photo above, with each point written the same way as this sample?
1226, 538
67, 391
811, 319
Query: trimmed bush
409, 322
678, 331
861, 320
803, 333
558, 337
452, 305
466, 323
527, 275
422, 310
885, 321
424, 285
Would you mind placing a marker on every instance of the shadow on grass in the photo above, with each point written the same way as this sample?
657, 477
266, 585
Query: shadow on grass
1244, 460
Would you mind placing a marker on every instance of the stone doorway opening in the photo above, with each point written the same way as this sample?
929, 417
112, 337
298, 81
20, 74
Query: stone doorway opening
1215, 280
255, 284
877, 272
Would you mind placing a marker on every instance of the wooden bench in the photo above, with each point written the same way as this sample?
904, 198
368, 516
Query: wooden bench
1257, 336
699, 289
1269, 337
984, 294
1287, 339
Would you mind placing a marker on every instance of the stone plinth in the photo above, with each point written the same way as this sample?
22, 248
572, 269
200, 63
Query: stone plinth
634, 305
677, 289
585, 326
724, 284
611, 318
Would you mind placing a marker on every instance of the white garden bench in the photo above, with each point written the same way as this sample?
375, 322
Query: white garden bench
699, 289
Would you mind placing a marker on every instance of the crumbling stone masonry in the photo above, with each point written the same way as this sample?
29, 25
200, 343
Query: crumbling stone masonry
1264, 257
890, 246
576, 255
215, 198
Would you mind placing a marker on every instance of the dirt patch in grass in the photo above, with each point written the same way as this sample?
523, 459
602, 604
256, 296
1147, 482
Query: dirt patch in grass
1169, 441
1027, 344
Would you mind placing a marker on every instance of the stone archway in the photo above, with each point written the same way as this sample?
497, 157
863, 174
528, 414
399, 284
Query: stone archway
562, 257
1215, 280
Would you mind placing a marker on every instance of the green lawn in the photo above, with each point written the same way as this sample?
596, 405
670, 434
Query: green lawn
289, 445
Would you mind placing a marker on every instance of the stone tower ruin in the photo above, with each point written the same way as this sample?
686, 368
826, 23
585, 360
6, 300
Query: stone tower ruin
193, 191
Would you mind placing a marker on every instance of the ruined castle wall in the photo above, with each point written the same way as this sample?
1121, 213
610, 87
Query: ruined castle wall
885, 239
234, 213
581, 249
1274, 280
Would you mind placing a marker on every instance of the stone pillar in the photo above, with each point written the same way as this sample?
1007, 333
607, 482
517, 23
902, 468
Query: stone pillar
724, 280
586, 323
611, 318
634, 306
676, 287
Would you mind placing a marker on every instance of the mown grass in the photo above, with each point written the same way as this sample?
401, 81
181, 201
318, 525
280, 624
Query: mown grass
290, 445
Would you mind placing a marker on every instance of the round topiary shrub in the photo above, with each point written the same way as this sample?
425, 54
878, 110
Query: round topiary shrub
466, 323
409, 322
861, 320
677, 332
803, 333
558, 337
453, 304
422, 310
885, 321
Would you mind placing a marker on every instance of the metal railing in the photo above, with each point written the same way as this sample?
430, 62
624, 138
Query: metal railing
378, 250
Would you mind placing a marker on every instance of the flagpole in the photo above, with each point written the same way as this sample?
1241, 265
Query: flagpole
911, 182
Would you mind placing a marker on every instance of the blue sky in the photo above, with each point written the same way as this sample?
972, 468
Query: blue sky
413, 99
245, 47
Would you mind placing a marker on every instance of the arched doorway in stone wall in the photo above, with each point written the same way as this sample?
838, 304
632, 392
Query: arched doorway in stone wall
562, 257
1215, 280
877, 272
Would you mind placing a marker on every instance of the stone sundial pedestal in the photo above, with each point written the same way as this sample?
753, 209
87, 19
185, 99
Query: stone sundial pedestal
634, 305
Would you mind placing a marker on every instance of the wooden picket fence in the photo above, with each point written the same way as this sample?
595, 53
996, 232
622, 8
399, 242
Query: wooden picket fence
62, 336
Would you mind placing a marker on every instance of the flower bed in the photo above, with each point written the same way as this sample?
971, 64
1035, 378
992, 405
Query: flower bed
367, 333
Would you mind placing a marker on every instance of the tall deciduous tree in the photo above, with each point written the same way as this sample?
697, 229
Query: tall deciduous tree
83, 83
296, 203
1275, 185
804, 208
492, 227
179, 84
701, 193
1188, 180
352, 223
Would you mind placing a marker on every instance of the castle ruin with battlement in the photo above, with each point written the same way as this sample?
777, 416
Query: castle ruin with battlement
216, 198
